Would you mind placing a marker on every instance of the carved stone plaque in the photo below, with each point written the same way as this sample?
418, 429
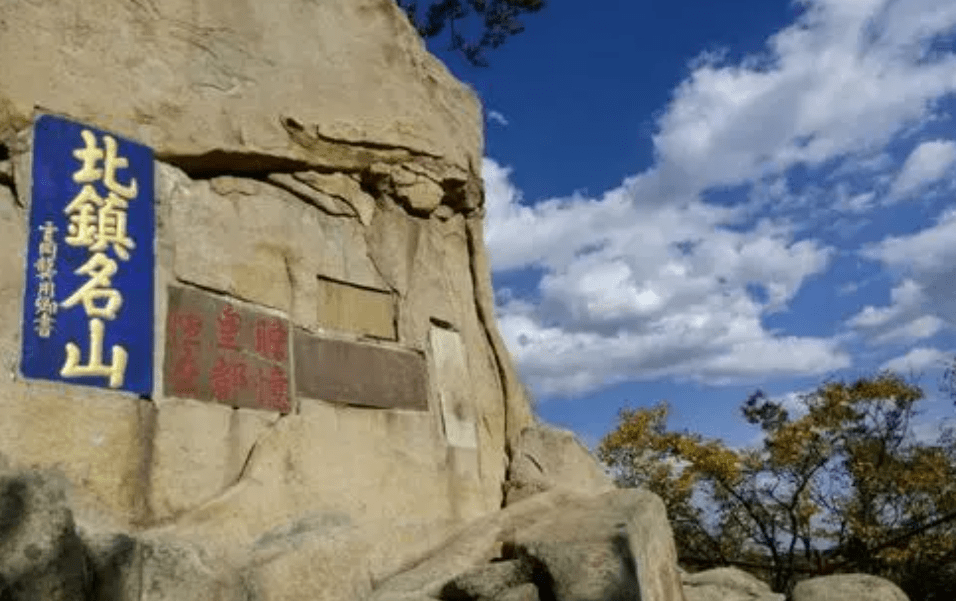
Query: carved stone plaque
349, 308
221, 351
359, 374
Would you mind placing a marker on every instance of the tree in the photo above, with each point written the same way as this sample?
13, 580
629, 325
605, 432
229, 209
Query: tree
498, 20
843, 485
948, 383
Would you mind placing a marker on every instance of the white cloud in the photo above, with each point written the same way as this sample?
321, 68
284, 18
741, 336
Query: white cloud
905, 319
919, 328
632, 291
648, 280
551, 232
848, 288
928, 163
856, 203
870, 165
794, 402
928, 257
905, 297
496, 117
562, 362
841, 81
931, 250
916, 360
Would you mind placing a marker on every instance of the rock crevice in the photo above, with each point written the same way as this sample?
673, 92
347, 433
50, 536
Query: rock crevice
517, 408
6, 176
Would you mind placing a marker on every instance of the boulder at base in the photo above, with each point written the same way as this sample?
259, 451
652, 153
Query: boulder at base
571, 547
848, 587
727, 584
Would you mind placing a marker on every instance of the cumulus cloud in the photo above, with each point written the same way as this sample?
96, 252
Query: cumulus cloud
905, 297
549, 233
561, 362
840, 82
928, 163
651, 280
905, 319
928, 258
919, 328
930, 250
917, 359
639, 292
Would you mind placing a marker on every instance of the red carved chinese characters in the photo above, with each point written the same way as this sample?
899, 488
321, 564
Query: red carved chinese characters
226, 352
227, 379
273, 392
183, 335
227, 328
272, 339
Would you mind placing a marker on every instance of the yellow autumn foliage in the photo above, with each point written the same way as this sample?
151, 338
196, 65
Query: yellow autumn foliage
846, 474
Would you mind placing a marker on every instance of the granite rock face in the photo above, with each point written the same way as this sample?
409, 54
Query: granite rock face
314, 168
213, 85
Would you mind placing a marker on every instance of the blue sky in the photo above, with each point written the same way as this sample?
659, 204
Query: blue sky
689, 200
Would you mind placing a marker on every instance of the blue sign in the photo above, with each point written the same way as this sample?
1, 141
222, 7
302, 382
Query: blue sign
88, 304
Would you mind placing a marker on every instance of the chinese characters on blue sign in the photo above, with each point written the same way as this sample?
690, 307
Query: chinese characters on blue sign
88, 307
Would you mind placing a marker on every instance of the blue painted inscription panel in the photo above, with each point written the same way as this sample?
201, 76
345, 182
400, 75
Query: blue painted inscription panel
88, 305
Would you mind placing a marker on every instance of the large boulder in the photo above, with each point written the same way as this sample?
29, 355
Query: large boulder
612, 547
727, 584
605, 548
557, 545
848, 587
45, 557
491, 581
547, 457
469, 549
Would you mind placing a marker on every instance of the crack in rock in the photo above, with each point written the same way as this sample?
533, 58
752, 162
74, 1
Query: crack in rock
328, 204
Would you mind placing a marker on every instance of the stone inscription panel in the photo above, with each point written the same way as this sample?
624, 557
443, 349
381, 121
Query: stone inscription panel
223, 352
350, 308
359, 374
88, 305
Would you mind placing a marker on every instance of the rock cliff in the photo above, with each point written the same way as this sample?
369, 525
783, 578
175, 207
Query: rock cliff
316, 171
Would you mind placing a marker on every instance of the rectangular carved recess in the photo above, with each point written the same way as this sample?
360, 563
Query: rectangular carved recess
454, 386
359, 374
220, 351
349, 308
